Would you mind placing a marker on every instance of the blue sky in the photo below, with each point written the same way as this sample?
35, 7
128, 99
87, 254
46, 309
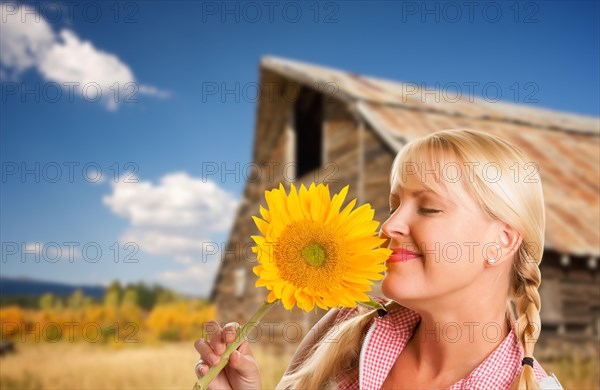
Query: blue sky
168, 51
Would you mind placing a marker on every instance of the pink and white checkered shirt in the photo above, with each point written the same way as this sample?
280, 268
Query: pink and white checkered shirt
386, 337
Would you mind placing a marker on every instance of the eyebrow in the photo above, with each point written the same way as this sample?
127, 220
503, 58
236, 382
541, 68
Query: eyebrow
415, 194
436, 195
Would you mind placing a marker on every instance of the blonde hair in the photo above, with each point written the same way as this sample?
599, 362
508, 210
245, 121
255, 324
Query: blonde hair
513, 195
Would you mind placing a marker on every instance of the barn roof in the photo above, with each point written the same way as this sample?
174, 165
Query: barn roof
566, 146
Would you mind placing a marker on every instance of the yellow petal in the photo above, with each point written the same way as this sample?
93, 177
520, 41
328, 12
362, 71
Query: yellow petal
336, 204
261, 283
278, 289
363, 244
344, 213
265, 213
294, 207
277, 209
304, 301
259, 240
325, 200
356, 219
261, 225
319, 302
304, 201
287, 297
315, 210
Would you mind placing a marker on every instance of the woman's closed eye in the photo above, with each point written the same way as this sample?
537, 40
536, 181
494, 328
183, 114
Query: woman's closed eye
429, 211
422, 211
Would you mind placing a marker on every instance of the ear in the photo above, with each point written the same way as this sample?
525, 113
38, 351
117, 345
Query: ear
509, 239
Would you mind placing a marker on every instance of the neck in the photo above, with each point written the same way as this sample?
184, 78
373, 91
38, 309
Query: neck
456, 342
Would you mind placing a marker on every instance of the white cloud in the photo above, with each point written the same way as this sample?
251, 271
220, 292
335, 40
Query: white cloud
177, 201
184, 259
22, 42
195, 279
66, 59
178, 218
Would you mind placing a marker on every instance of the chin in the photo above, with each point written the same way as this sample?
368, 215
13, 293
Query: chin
397, 289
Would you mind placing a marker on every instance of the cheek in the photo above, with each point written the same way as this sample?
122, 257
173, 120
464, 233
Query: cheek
470, 229
454, 245
457, 268
451, 254
451, 262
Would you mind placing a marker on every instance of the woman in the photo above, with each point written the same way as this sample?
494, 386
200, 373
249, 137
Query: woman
466, 227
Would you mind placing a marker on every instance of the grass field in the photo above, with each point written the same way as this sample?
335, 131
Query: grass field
575, 373
91, 366
170, 366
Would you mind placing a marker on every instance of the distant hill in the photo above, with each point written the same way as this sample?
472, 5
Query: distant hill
26, 286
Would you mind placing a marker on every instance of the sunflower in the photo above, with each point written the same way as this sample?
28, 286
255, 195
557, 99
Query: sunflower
311, 253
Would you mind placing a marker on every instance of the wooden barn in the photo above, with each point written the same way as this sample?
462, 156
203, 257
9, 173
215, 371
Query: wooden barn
320, 124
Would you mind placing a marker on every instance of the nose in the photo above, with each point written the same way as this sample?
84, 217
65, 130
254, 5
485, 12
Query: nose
395, 226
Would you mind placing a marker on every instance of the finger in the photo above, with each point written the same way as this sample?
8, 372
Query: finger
206, 352
201, 370
245, 365
214, 337
245, 349
229, 332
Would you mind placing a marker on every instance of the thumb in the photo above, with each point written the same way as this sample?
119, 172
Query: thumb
245, 365
244, 348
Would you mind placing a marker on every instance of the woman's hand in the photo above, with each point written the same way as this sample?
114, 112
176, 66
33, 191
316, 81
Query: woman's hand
242, 370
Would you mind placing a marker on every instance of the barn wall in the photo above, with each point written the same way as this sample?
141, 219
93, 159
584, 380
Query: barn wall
570, 313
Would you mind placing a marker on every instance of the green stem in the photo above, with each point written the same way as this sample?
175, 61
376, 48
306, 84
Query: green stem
202, 383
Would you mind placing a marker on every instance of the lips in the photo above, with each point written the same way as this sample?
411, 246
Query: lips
400, 255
